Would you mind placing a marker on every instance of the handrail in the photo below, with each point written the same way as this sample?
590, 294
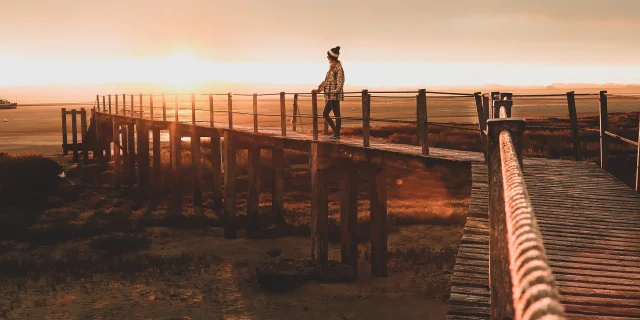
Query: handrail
525, 288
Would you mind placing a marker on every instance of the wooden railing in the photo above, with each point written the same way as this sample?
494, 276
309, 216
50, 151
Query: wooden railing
522, 283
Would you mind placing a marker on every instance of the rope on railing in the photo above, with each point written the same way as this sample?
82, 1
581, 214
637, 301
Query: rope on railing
620, 138
535, 294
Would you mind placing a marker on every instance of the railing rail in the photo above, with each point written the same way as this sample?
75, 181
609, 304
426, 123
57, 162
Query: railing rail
524, 288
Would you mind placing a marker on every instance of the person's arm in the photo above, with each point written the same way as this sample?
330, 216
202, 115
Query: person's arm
321, 87
340, 80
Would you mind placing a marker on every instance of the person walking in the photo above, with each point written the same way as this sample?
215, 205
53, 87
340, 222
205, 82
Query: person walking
333, 91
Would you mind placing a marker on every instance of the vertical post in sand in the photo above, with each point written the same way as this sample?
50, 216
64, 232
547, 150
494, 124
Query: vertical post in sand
83, 129
74, 135
366, 116
143, 156
97, 148
176, 162
255, 113
573, 119
604, 127
424, 129
157, 156
230, 109
131, 133
216, 171
378, 211
319, 205
115, 128
65, 147
195, 166
253, 194
229, 186
314, 112
349, 216
277, 198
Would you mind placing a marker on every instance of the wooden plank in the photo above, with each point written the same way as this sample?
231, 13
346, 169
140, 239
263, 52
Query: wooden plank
319, 206
195, 166
349, 215
253, 194
277, 198
65, 148
378, 209
229, 186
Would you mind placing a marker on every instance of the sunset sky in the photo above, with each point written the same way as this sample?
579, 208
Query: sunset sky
384, 43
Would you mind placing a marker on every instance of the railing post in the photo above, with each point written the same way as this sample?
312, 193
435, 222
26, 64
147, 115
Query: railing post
485, 109
211, 116
283, 114
177, 108
133, 113
255, 112
104, 105
65, 148
294, 120
366, 113
314, 112
193, 108
422, 124
573, 119
150, 107
109, 103
638, 161
495, 113
164, 108
604, 127
117, 111
83, 129
98, 102
482, 122
74, 135
140, 106
230, 109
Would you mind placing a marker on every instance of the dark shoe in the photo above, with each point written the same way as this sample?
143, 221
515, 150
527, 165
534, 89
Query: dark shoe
334, 137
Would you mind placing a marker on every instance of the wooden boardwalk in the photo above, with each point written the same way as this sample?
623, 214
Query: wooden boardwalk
590, 224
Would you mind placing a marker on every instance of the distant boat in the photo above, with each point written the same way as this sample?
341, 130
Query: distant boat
6, 104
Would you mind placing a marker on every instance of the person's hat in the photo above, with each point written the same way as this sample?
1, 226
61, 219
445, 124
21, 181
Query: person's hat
334, 52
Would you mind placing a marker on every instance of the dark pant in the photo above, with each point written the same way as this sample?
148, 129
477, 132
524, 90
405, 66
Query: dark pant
335, 106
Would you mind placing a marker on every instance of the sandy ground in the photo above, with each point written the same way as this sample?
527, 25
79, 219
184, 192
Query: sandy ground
224, 287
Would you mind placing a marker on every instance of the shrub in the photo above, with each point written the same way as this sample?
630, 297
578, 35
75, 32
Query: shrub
27, 177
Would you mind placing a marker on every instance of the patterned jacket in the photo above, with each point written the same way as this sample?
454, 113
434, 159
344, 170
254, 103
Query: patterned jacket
333, 83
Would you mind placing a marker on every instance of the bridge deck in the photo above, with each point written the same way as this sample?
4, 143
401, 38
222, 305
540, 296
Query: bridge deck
590, 224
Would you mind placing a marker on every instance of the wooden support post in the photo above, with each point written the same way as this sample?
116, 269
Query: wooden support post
98, 102
482, 121
229, 186
499, 272
83, 130
255, 113
157, 156
378, 209
277, 199
314, 112
319, 205
109, 103
74, 135
143, 156
294, 120
107, 143
195, 166
604, 127
283, 115
211, 117
104, 104
125, 146
140, 107
253, 194
97, 147
216, 170
133, 114
495, 113
115, 128
177, 108
366, 117
419, 124
486, 106
424, 129
65, 145
349, 216
230, 109
176, 162
131, 154
164, 108
193, 108
150, 108
573, 119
